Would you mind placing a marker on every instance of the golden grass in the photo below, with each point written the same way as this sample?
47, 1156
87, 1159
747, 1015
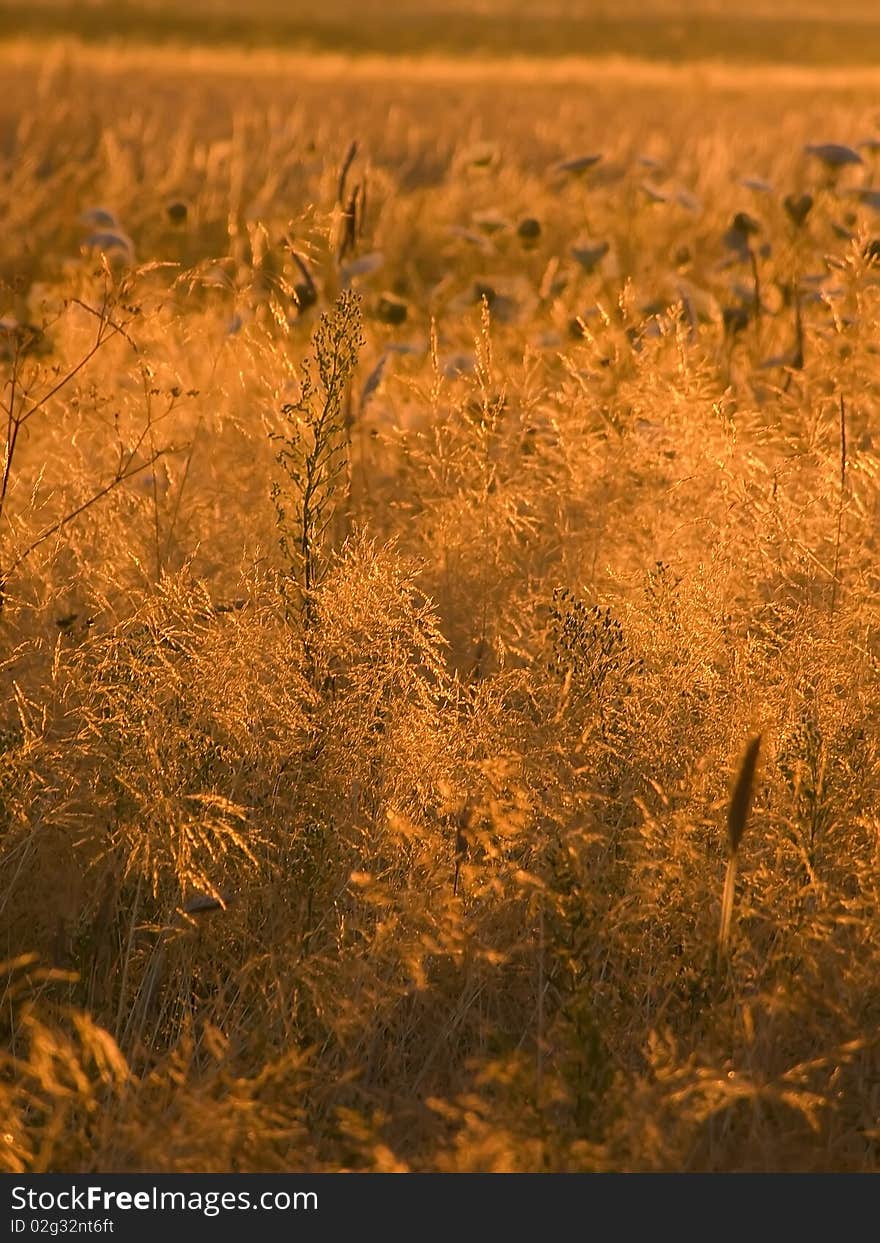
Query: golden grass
412, 861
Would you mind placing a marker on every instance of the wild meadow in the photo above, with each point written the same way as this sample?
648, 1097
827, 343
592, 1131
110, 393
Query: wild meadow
424, 482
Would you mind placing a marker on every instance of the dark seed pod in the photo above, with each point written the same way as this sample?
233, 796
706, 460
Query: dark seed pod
798, 207
528, 231
306, 295
391, 309
741, 799
736, 319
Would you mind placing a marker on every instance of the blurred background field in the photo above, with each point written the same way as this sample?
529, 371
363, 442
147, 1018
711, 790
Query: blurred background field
366, 748
812, 32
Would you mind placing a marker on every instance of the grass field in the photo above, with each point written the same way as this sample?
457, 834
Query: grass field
677, 30
406, 525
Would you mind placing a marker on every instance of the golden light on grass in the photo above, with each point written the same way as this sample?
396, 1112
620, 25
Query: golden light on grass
399, 507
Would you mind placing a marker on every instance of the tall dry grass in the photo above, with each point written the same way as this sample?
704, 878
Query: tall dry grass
411, 859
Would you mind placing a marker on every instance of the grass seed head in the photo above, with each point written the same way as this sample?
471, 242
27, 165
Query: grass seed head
741, 799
